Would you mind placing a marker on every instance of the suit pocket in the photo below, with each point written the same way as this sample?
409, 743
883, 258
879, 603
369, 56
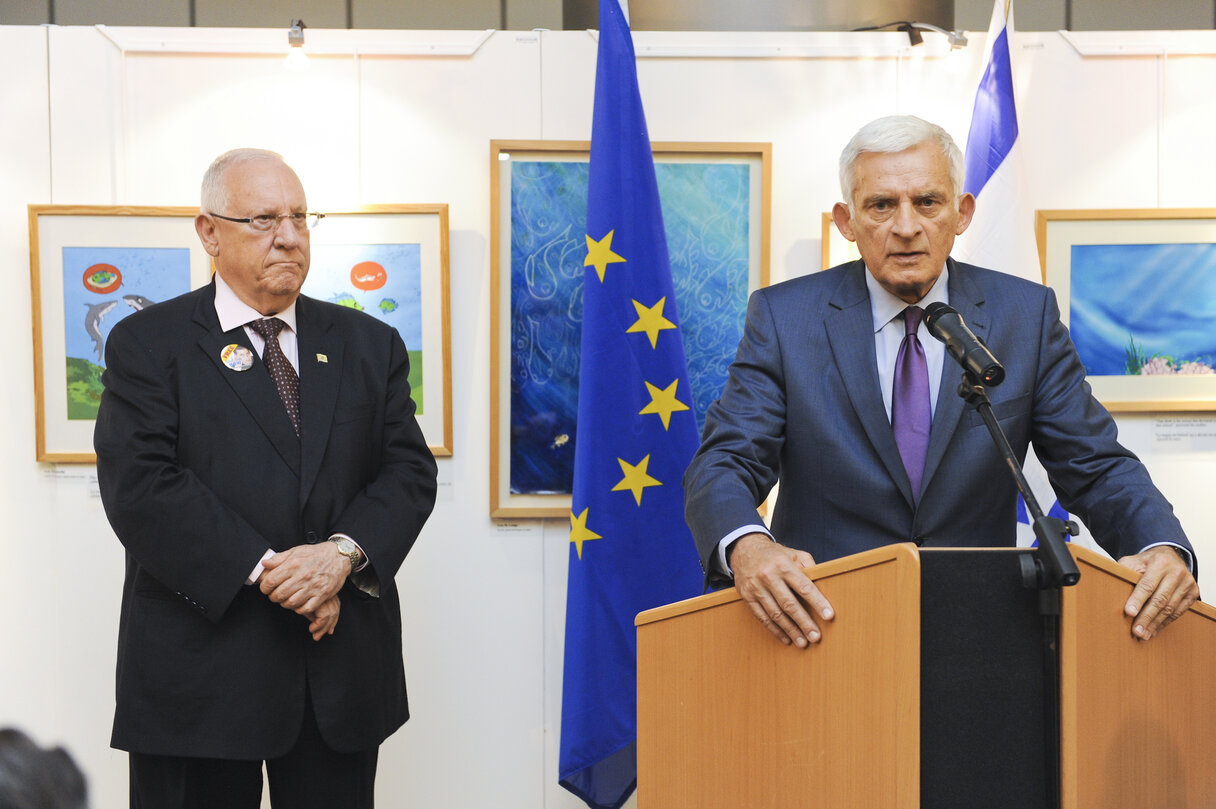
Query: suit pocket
1009, 409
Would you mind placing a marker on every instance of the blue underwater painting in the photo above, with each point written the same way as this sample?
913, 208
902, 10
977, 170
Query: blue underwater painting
381, 280
101, 286
706, 215
1144, 308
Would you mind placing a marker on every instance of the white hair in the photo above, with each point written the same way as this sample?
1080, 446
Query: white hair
214, 192
898, 133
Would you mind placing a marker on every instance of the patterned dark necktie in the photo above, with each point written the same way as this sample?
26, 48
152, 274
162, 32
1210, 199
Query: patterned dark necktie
286, 381
911, 417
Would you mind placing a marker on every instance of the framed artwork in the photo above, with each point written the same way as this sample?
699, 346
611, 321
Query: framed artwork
715, 199
836, 249
1137, 290
91, 266
391, 261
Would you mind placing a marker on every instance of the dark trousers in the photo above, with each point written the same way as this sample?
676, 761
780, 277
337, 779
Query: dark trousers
310, 776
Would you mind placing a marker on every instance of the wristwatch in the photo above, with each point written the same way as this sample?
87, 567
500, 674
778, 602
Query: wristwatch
348, 548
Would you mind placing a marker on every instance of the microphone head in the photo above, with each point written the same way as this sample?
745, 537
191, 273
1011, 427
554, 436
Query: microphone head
946, 324
935, 310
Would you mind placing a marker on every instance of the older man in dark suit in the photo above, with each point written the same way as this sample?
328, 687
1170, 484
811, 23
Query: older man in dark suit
258, 457
839, 390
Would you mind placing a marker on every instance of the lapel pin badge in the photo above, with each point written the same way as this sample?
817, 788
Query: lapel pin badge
236, 357
322, 358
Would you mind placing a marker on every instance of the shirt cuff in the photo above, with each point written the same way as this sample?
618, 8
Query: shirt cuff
725, 542
1183, 552
258, 568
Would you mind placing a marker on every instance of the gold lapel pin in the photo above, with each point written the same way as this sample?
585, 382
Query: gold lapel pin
322, 358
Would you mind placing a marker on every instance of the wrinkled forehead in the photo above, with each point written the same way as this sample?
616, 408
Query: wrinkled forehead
917, 171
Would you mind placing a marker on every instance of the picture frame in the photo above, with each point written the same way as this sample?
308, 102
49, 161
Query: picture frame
834, 247
537, 245
115, 259
408, 286
140, 254
1131, 285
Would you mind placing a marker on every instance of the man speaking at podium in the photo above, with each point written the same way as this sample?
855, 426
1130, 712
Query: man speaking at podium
839, 390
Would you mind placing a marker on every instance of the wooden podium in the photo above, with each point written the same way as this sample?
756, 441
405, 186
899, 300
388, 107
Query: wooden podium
940, 685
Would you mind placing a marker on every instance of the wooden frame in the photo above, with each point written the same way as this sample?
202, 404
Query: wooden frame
554, 262
1117, 272
161, 257
410, 242
834, 247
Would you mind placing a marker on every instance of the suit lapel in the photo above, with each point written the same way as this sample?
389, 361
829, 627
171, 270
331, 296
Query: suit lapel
252, 386
968, 300
321, 356
850, 330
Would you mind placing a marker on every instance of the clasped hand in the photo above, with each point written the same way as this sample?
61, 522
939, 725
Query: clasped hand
306, 580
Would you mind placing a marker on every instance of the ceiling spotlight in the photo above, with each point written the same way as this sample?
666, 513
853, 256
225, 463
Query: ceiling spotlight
296, 58
914, 37
295, 34
956, 38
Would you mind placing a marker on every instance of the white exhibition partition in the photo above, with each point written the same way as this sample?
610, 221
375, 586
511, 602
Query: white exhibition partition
132, 116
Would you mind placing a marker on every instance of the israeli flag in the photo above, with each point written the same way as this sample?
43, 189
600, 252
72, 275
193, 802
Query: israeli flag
1001, 235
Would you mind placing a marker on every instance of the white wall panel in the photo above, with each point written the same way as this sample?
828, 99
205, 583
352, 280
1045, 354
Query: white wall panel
1188, 169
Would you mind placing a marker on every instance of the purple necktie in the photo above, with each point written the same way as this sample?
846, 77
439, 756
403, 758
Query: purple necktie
286, 380
910, 414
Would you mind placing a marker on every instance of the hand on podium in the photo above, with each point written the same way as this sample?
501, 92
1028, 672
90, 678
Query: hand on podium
770, 578
1165, 591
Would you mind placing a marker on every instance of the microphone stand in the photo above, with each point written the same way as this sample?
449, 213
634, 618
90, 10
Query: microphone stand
1053, 567
1048, 571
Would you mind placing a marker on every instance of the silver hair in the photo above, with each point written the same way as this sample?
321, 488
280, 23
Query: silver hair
898, 133
214, 191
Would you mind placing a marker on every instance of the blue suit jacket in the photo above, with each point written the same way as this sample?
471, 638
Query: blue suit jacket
803, 404
200, 472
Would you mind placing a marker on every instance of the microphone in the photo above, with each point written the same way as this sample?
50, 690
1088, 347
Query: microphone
947, 325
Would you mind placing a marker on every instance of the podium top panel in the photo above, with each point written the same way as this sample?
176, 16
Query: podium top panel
904, 552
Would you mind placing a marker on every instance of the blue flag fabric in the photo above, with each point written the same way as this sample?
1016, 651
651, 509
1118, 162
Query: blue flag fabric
994, 120
630, 548
1001, 234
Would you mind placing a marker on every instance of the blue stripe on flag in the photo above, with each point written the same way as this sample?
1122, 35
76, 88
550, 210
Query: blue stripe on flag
994, 121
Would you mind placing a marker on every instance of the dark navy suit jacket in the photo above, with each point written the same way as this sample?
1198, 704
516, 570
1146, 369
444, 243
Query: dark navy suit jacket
802, 403
200, 472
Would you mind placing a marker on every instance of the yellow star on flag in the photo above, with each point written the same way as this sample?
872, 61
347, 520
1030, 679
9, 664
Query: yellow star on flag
600, 255
580, 533
651, 320
636, 479
663, 402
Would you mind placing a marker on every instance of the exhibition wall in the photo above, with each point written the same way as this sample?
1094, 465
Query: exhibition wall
132, 116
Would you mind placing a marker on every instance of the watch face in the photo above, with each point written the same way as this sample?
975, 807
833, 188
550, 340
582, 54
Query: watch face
348, 549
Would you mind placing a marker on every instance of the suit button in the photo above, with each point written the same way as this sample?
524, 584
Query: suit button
919, 540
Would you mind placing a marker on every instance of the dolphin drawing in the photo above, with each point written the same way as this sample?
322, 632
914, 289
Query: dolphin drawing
92, 322
137, 302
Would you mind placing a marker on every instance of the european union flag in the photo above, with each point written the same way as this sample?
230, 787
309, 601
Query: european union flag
630, 548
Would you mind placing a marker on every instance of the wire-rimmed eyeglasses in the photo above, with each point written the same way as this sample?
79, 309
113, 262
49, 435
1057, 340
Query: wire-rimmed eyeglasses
269, 221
